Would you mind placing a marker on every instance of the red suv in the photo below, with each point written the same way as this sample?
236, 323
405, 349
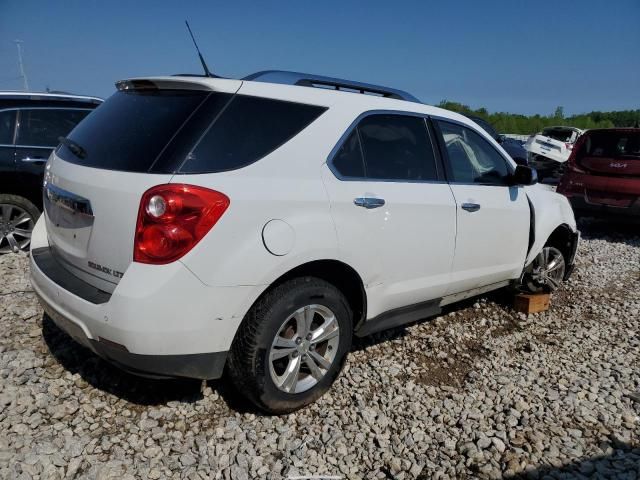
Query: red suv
603, 173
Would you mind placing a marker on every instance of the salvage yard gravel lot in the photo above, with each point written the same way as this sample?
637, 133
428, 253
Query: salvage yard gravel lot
480, 391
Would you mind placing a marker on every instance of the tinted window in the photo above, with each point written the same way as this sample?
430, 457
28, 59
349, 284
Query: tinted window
42, 127
248, 129
560, 134
611, 144
130, 130
348, 159
7, 122
397, 147
471, 158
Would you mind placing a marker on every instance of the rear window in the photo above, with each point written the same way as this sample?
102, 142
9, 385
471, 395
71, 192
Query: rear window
129, 131
249, 129
560, 134
185, 131
611, 145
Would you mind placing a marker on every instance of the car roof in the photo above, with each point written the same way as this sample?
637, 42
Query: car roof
20, 95
614, 129
298, 93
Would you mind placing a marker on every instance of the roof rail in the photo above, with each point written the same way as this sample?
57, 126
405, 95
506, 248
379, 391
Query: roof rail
319, 81
54, 95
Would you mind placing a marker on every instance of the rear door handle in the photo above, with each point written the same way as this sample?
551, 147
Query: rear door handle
369, 202
34, 160
471, 207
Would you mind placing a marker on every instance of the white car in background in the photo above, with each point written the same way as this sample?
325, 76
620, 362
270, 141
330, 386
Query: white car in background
550, 149
196, 225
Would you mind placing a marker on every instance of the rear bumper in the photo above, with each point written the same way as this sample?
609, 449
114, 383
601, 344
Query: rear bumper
159, 321
582, 190
198, 365
582, 207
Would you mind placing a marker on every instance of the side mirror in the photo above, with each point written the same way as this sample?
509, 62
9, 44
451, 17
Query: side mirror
500, 138
524, 175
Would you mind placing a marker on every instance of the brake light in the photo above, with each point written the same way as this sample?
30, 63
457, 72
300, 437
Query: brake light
172, 219
572, 162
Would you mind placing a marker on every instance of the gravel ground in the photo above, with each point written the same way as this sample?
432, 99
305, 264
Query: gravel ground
480, 391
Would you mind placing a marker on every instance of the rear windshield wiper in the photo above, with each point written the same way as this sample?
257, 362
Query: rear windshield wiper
74, 147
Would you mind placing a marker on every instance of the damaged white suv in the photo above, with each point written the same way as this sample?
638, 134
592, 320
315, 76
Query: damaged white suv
197, 226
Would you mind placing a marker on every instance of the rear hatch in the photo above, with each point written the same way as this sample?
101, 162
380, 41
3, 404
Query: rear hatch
613, 153
554, 143
95, 179
611, 157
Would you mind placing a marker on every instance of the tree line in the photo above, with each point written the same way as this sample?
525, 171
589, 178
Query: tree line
527, 124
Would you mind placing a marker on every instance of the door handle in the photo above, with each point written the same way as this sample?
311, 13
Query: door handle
471, 207
369, 202
34, 160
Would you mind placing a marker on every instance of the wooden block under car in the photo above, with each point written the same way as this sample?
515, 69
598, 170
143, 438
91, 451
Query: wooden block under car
531, 303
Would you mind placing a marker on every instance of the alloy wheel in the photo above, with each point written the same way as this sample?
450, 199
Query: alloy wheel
304, 348
16, 226
548, 268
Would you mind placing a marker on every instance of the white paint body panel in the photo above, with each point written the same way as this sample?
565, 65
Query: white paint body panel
550, 210
491, 243
402, 250
154, 309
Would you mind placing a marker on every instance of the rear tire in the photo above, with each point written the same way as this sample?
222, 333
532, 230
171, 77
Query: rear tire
274, 361
18, 216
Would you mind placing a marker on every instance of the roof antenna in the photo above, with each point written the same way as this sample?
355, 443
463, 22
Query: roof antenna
204, 64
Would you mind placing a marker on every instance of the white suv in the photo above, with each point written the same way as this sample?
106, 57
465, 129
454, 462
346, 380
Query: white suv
197, 225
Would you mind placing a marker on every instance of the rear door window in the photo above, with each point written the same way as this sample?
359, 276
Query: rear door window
7, 124
348, 159
393, 147
249, 129
41, 127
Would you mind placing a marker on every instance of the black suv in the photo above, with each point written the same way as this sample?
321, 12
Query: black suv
30, 124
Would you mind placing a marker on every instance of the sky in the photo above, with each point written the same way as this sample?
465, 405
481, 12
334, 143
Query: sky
516, 56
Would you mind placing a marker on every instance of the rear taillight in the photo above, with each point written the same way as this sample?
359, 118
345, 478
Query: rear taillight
572, 163
172, 219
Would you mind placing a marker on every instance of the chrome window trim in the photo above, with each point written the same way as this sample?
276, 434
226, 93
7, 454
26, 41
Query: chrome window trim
29, 146
45, 108
60, 97
343, 138
66, 200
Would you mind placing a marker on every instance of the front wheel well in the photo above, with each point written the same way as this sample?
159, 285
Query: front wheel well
340, 275
562, 238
